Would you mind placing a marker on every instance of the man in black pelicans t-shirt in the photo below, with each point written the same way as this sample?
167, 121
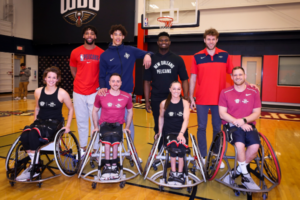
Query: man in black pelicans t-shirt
165, 68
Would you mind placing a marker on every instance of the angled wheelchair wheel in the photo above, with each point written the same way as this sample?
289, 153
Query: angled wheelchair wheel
271, 164
16, 159
67, 153
215, 155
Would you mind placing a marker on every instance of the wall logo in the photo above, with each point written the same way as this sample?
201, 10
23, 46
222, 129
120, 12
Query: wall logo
78, 12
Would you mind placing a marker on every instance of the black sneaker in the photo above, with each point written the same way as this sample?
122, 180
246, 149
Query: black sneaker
237, 173
248, 182
179, 179
171, 179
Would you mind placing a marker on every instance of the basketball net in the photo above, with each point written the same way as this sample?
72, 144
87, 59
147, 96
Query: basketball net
166, 22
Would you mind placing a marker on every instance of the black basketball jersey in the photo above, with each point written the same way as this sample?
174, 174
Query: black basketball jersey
50, 106
173, 118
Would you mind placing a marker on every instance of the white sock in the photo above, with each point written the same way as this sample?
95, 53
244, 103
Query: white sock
31, 156
37, 157
242, 167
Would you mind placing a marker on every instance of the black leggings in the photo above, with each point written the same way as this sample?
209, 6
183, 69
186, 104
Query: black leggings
39, 133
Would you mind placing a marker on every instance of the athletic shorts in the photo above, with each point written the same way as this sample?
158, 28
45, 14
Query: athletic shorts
172, 142
246, 137
111, 133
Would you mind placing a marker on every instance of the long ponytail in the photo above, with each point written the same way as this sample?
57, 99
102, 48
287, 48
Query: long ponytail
167, 103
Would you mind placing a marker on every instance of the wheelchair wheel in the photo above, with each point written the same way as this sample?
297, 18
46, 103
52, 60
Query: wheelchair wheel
215, 155
271, 164
14, 166
67, 153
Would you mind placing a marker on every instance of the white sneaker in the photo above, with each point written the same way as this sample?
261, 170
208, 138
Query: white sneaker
17, 98
82, 153
25, 175
248, 182
24, 98
222, 166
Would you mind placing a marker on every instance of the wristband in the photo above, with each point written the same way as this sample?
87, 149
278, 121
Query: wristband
245, 120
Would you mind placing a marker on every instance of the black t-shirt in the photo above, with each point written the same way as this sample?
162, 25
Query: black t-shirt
50, 106
162, 72
173, 118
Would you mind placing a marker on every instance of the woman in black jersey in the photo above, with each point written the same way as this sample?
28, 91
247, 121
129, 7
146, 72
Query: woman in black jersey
173, 122
48, 117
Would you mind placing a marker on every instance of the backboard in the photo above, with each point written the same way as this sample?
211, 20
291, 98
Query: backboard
185, 13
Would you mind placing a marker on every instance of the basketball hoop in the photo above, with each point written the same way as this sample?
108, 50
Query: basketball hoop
167, 21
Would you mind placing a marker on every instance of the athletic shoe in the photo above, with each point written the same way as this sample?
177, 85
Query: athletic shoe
82, 153
222, 166
248, 182
25, 98
114, 172
230, 176
25, 175
171, 179
175, 178
17, 98
106, 172
179, 179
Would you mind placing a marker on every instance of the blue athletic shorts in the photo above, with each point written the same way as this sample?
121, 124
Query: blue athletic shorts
247, 138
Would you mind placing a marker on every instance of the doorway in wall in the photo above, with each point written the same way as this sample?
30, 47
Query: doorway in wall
253, 69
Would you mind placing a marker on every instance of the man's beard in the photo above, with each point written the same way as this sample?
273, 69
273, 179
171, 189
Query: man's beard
89, 43
209, 48
239, 84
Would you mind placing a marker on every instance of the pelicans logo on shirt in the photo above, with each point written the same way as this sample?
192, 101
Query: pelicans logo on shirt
79, 12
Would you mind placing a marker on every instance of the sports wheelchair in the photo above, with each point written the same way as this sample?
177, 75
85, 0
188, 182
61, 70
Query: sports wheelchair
94, 175
265, 167
65, 148
160, 177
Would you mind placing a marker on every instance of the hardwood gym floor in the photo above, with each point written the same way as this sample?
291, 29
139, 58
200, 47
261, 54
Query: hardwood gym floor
14, 115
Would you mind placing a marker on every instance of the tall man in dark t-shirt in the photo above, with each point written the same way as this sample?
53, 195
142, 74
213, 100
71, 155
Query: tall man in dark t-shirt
165, 68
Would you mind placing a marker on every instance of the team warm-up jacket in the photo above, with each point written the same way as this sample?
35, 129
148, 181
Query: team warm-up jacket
119, 59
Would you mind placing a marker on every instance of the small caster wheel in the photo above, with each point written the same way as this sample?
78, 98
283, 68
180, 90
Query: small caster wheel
265, 196
237, 193
193, 170
131, 163
154, 167
189, 189
92, 164
40, 184
94, 185
161, 188
122, 184
12, 183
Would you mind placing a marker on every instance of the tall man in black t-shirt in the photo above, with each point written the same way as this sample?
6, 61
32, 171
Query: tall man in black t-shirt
165, 68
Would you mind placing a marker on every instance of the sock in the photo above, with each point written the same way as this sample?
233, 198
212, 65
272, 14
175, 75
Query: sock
242, 167
31, 156
37, 157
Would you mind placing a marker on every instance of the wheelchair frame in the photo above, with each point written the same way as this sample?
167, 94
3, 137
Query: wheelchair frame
191, 179
261, 162
19, 165
122, 154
